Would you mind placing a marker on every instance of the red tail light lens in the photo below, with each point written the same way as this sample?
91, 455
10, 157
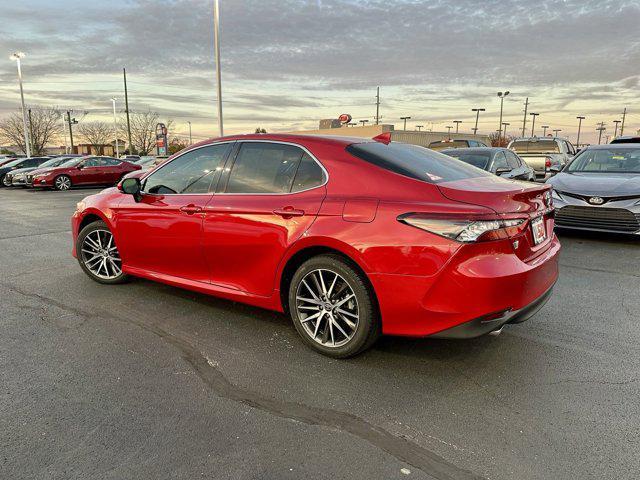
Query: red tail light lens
547, 163
466, 230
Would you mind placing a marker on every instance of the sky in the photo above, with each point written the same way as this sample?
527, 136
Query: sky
288, 63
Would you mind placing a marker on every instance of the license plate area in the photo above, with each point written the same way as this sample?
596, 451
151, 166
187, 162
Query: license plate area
539, 230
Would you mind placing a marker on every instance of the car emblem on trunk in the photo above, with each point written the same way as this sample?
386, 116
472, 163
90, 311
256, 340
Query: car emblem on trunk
596, 200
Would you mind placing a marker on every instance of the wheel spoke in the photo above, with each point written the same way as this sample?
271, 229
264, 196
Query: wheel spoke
322, 285
315, 332
313, 294
346, 320
311, 317
308, 300
344, 300
100, 255
335, 323
333, 284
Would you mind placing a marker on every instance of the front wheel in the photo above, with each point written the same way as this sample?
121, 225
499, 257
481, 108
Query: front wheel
333, 307
62, 182
5, 181
98, 255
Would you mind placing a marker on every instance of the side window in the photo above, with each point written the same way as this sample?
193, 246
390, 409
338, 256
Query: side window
91, 162
195, 171
110, 162
262, 167
512, 160
499, 161
309, 174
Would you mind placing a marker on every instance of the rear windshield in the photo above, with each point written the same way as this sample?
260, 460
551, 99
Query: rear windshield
415, 162
535, 146
452, 144
613, 160
477, 159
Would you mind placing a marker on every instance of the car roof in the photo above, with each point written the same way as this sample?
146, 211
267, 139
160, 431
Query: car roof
475, 149
289, 137
617, 146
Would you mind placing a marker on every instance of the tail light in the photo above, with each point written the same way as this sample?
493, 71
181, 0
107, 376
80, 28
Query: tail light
547, 163
464, 229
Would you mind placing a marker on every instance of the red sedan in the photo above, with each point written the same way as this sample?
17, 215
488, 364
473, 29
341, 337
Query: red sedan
351, 237
82, 171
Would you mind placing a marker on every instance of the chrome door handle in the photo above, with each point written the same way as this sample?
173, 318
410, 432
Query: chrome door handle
288, 212
190, 209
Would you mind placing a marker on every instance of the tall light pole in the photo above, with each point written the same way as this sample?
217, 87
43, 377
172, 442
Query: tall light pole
501, 96
418, 127
190, 140
405, 121
457, 122
544, 130
448, 127
363, 122
579, 126
477, 110
216, 45
624, 116
533, 125
115, 127
17, 56
504, 131
556, 131
617, 122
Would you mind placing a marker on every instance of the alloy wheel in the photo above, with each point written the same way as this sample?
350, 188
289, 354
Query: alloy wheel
6, 181
63, 183
100, 255
327, 308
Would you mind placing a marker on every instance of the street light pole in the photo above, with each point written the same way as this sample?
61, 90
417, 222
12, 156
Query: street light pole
600, 129
533, 125
64, 131
115, 127
457, 122
418, 127
405, 121
501, 96
555, 131
544, 130
190, 141
448, 127
363, 122
477, 110
504, 131
579, 126
216, 44
17, 56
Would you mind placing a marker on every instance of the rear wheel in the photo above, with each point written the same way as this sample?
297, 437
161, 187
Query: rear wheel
6, 182
62, 182
333, 307
98, 255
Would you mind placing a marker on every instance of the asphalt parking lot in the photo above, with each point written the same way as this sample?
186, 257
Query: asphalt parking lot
148, 381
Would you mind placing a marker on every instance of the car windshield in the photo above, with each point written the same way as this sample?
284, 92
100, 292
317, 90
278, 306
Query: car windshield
451, 144
535, 146
54, 162
71, 162
415, 162
611, 160
477, 159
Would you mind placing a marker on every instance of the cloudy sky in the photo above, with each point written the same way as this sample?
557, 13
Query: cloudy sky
288, 63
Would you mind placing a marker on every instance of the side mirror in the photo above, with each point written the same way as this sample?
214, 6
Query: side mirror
555, 168
502, 171
131, 186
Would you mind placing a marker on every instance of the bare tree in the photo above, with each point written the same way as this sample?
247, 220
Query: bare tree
96, 134
143, 131
44, 125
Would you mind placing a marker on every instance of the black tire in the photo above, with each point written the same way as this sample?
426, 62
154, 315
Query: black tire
367, 329
82, 257
59, 181
2, 184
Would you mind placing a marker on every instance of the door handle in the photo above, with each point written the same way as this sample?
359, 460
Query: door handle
288, 212
190, 209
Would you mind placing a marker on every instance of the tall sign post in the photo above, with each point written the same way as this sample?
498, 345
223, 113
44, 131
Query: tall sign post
161, 140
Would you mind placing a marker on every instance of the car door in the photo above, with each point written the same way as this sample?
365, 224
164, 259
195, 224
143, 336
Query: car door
111, 171
87, 172
268, 198
162, 233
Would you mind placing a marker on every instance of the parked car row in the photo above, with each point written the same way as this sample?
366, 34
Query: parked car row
63, 173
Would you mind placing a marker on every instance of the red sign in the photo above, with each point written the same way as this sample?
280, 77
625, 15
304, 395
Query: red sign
344, 118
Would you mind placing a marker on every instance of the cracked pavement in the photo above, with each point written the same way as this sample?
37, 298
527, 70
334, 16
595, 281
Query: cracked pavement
148, 381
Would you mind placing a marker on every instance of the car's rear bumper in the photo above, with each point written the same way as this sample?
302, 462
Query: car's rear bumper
488, 282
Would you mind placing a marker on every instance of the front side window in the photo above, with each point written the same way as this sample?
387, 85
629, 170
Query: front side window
512, 160
415, 162
110, 162
613, 160
195, 171
91, 162
262, 167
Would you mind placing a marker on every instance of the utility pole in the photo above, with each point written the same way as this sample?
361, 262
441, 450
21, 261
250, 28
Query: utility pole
64, 131
190, 141
126, 109
70, 129
555, 131
544, 130
405, 122
31, 133
533, 125
504, 131
378, 106
600, 129
457, 122
524, 120
449, 127
624, 115
477, 110
216, 46
501, 96
579, 126
617, 122
115, 127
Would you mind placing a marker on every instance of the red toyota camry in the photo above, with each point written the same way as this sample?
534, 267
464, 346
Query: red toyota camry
82, 171
351, 237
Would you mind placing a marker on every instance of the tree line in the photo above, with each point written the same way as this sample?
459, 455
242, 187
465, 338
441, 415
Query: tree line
45, 127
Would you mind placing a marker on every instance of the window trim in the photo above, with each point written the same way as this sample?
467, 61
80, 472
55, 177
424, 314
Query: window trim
303, 148
164, 164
